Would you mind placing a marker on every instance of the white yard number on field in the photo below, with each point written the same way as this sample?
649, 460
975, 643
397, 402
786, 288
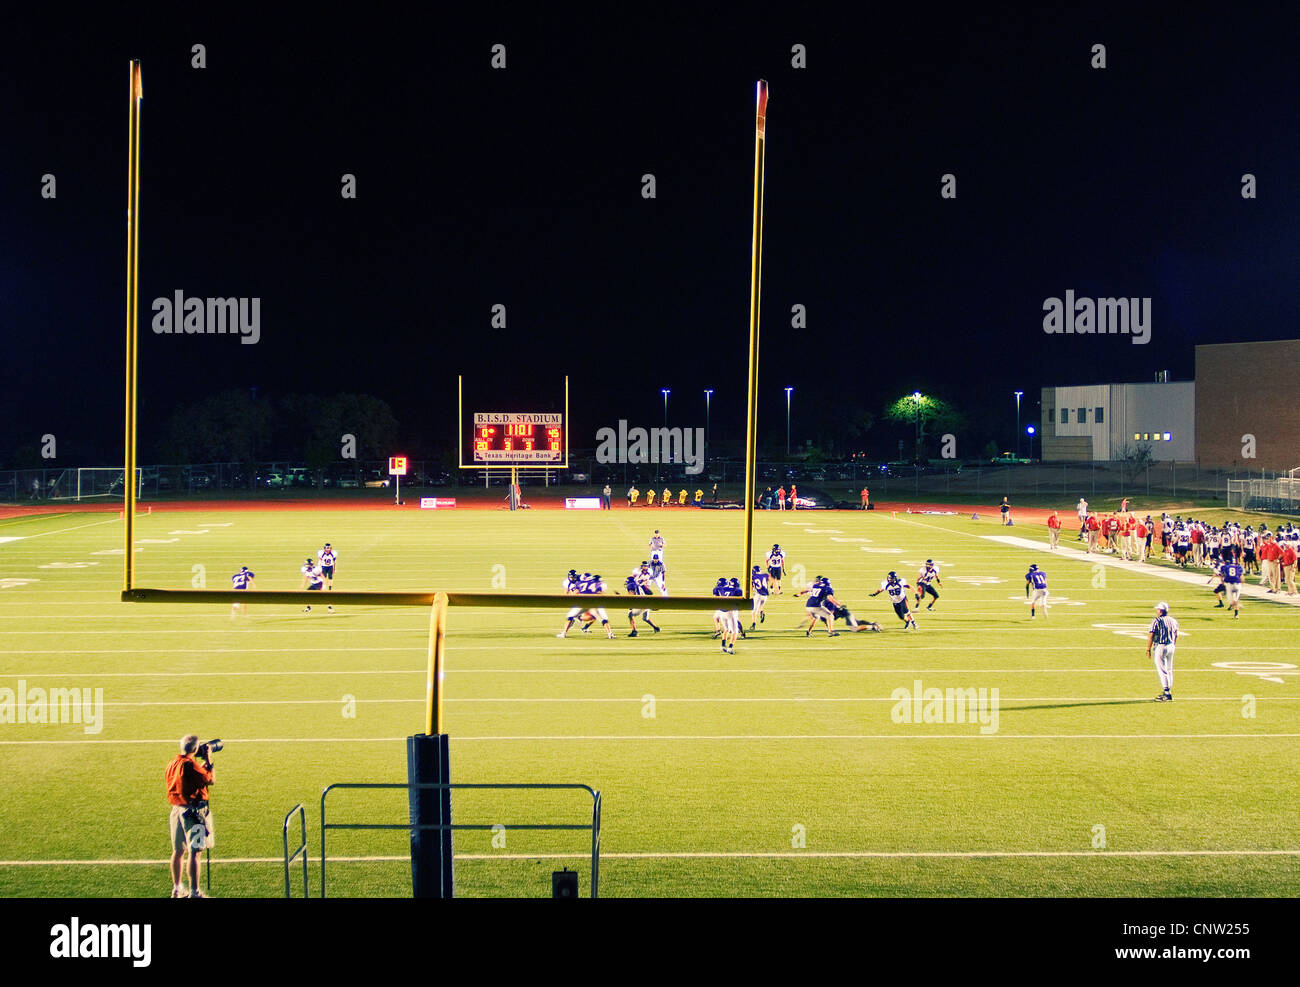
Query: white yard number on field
1269, 671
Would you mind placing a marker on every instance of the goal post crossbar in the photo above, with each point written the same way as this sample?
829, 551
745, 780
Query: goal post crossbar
378, 598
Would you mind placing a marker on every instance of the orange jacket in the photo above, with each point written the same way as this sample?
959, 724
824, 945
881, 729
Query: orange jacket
187, 780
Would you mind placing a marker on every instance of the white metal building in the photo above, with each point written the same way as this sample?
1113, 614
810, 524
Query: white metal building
1100, 421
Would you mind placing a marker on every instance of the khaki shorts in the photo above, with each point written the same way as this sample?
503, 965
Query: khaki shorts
185, 838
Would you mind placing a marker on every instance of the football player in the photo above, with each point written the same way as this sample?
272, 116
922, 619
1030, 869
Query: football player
928, 575
896, 589
734, 590
758, 580
243, 579
1036, 581
776, 568
820, 605
588, 585
638, 584
328, 557
312, 578
723, 620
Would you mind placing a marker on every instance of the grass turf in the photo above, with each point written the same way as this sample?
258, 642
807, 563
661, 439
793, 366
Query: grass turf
777, 771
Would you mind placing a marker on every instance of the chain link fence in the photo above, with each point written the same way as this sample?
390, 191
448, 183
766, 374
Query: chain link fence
968, 482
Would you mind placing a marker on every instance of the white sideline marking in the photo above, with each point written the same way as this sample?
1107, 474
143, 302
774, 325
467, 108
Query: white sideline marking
1141, 568
627, 671
639, 738
9, 538
1236, 700
702, 855
42, 534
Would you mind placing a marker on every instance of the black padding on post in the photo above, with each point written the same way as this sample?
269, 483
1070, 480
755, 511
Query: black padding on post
428, 761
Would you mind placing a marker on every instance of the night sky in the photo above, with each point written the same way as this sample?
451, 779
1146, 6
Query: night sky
523, 187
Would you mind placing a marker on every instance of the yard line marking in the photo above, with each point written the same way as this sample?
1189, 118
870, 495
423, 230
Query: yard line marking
701, 855
642, 737
9, 538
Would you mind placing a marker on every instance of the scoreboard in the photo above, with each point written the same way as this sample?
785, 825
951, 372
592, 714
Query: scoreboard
518, 439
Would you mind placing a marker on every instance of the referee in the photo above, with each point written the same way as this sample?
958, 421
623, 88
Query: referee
1163, 637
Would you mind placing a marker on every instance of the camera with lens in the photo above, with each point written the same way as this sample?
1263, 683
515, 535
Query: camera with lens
206, 750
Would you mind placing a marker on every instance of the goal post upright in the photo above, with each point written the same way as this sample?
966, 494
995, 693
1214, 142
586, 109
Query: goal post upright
755, 292
132, 318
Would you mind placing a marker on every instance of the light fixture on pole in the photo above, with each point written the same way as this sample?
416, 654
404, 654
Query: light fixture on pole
1018, 393
665, 392
708, 395
787, 421
1030, 430
916, 396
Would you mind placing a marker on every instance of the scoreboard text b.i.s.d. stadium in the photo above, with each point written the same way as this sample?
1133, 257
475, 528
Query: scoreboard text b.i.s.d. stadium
518, 438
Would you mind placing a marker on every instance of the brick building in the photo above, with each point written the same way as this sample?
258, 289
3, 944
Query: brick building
1248, 389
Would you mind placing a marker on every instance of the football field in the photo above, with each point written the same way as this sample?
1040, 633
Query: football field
797, 766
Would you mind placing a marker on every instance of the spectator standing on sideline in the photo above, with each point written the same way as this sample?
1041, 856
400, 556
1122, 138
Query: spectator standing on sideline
607, 498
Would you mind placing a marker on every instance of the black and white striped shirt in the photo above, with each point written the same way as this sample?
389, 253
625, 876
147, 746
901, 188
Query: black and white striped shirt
1164, 630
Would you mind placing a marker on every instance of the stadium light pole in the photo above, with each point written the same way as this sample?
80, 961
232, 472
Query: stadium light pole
1030, 430
708, 396
916, 396
665, 392
1018, 394
787, 421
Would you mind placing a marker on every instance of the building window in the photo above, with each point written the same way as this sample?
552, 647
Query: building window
1136, 436
1065, 416
1051, 416
1083, 416
1168, 437
1099, 416
1146, 436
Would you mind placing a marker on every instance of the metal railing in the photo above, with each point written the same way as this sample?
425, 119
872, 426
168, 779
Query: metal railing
593, 826
301, 851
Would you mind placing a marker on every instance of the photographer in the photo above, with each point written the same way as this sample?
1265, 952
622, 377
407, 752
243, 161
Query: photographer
190, 823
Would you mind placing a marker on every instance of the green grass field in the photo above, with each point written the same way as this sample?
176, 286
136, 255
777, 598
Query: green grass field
779, 771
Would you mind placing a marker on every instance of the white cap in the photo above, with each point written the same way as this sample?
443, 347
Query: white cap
1162, 607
